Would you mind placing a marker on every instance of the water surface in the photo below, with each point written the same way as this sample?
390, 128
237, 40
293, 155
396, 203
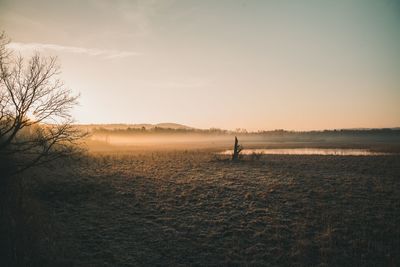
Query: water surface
309, 151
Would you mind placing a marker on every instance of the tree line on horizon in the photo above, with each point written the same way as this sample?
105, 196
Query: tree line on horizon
242, 132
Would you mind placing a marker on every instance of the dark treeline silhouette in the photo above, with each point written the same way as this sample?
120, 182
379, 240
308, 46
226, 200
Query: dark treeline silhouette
160, 130
384, 132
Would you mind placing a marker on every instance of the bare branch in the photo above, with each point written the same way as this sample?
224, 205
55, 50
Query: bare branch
35, 119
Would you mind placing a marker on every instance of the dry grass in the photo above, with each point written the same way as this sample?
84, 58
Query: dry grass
195, 208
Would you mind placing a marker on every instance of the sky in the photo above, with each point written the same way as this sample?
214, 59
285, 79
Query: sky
258, 65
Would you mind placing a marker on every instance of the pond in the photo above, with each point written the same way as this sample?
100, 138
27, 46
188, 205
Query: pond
309, 151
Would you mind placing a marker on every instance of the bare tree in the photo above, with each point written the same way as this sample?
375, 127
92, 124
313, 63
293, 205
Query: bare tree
35, 120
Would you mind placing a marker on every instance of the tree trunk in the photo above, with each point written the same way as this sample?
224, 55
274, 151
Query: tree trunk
236, 150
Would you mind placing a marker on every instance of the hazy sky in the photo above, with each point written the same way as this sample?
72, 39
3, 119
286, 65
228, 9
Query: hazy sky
228, 64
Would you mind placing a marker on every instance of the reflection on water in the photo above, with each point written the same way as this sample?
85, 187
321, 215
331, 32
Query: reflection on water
309, 151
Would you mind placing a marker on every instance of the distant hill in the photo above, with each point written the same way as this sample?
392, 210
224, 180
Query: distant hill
172, 126
122, 126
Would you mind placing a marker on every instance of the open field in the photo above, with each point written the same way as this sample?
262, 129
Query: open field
193, 207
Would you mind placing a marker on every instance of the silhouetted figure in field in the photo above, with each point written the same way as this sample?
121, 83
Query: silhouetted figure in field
236, 150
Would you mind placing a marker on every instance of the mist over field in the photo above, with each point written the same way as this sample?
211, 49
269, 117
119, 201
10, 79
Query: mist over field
122, 137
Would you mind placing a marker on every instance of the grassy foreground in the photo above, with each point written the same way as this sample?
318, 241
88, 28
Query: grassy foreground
196, 208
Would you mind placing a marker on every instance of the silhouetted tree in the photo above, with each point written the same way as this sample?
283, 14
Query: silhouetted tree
35, 121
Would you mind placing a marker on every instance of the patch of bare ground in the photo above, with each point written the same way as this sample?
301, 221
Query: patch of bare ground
195, 208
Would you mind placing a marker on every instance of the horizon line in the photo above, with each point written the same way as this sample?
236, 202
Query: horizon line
244, 129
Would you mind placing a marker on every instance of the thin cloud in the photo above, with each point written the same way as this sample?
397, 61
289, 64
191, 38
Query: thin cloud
108, 54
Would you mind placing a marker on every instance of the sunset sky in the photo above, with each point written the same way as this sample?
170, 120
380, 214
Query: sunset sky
229, 64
